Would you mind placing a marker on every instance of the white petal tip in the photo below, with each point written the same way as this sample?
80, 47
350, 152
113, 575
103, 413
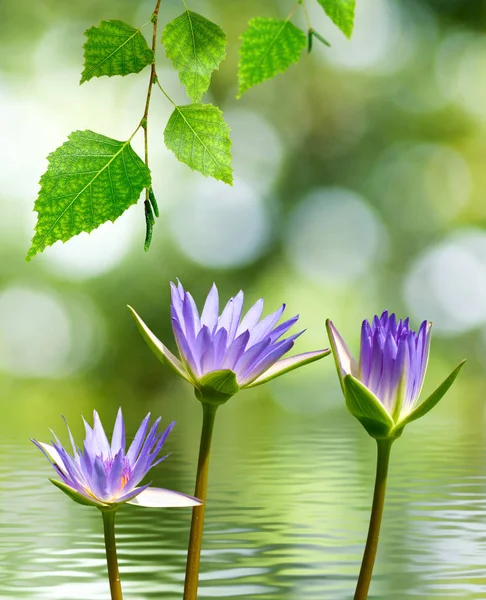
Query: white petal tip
160, 498
344, 358
52, 454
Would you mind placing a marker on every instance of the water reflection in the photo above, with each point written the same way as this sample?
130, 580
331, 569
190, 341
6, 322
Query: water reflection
287, 519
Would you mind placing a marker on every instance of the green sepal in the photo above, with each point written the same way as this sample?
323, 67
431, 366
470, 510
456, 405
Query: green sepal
366, 407
335, 354
285, 365
217, 387
161, 352
76, 496
424, 407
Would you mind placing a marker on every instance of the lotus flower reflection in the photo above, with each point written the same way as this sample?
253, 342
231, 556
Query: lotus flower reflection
220, 354
383, 389
105, 475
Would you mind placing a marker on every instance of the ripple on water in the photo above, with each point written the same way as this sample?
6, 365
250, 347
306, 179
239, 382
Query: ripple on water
286, 519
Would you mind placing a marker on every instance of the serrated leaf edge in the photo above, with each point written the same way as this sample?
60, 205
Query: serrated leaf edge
194, 99
347, 31
89, 75
287, 21
198, 99
216, 162
34, 249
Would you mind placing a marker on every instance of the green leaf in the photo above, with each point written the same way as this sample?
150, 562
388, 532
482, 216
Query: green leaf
196, 47
424, 407
76, 496
114, 48
269, 47
198, 135
341, 13
90, 179
366, 407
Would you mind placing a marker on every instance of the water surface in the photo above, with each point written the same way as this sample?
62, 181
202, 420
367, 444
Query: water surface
287, 517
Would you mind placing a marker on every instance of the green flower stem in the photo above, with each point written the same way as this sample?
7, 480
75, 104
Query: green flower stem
366, 572
197, 524
111, 558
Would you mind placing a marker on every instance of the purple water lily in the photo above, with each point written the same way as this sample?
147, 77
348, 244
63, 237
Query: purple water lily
219, 355
382, 391
250, 347
392, 363
104, 474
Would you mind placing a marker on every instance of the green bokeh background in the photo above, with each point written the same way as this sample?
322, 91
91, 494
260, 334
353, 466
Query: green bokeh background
360, 184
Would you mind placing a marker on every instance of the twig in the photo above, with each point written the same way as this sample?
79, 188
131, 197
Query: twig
153, 77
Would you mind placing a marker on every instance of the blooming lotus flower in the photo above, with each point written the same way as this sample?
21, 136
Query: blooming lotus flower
382, 390
221, 354
105, 475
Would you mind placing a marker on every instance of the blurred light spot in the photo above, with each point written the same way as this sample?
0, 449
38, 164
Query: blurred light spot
333, 236
383, 39
447, 284
35, 333
88, 334
41, 337
420, 94
89, 255
35, 119
172, 10
257, 150
19, 118
310, 391
221, 226
460, 68
56, 62
60, 39
422, 185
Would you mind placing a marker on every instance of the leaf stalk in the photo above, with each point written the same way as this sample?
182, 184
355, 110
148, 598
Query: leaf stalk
144, 119
306, 13
144, 124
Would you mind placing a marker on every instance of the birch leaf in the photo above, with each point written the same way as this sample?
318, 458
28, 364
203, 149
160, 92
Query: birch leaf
341, 13
114, 48
199, 137
196, 47
269, 47
91, 179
